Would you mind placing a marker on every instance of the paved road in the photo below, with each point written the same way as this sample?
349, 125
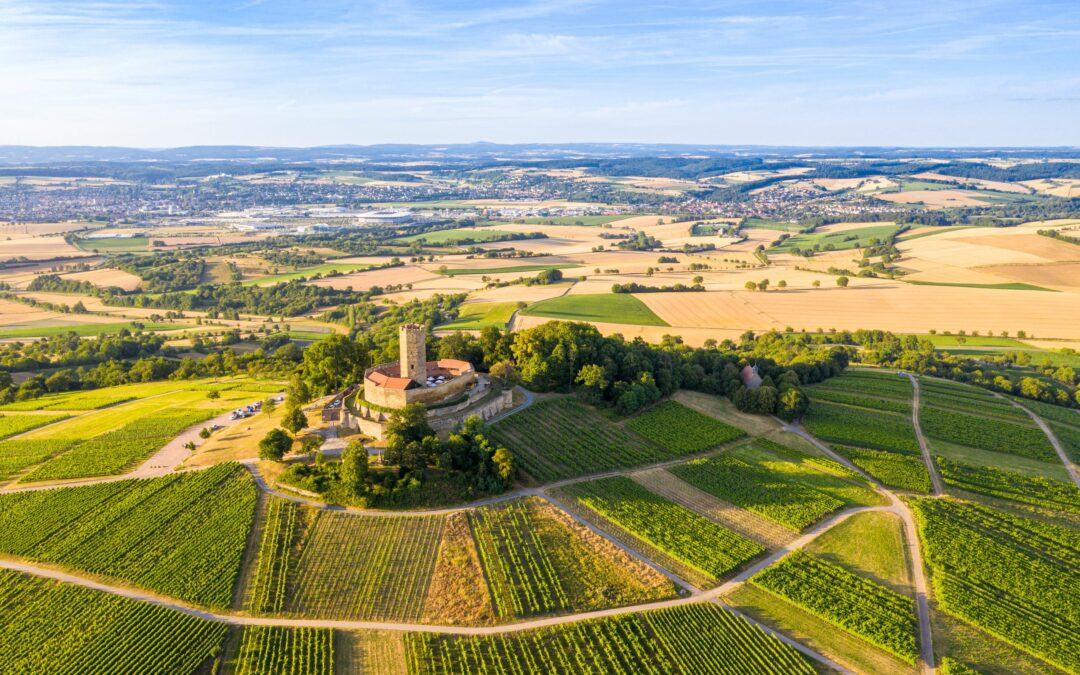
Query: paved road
918, 572
931, 466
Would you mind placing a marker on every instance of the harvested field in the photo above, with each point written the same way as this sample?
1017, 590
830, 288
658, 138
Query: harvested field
1063, 275
362, 281
936, 198
998, 185
106, 278
37, 248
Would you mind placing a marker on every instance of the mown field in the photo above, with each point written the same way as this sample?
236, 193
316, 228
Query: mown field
478, 315
1013, 577
182, 535
604, 308
50, 627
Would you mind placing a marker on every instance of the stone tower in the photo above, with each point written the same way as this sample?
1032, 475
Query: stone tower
413, 352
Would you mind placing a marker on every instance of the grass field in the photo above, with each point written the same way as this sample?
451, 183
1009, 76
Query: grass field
307, 272
182, 535
87, 329
870, 544
1012, 286
513, 269
604, 308
760, 224
114, 244
840, 240
973, 341
50, 627
11, 425
478, 315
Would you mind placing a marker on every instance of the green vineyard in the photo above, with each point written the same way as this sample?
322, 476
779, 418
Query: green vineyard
684, 535
683, 430
1034, 490
182, 535
271, 651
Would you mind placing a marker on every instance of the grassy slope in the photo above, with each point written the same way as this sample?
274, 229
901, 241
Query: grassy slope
870, 544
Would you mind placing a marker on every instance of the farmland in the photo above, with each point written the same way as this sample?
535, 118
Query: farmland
855, 426
686, 536
182, 535
1012, 577
903, 471
787, 502
698, 638
988, 434
839, 240
1004, 484
101, 632
536, 563
87, 329
285, 650
873, 612
560, 438
682, 430
608, 308
479, 315
11, 425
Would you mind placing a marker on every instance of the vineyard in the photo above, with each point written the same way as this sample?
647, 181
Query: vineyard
537, 562
684, 535
817, 463
784, 501
117, 451
973, 400
561, 438
901, 471
17, 455
286, 651
281, 526
1064, 422
988, 434
182, 535
1013, 577
365, 567
700, 638
869, 610
11, 425
46, 626
681, 429
866, 390
862, 428
831, 395
1034, 490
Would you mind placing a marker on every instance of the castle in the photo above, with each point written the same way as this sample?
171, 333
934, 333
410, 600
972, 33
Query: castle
451, 389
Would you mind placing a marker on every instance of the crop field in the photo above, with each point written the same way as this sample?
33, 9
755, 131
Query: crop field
50, 627
1013, 577
478, 315
1065, 424
888, 393
864, 428
561, 438
698, 638
873, 612
281, 527
182, 535
11, 425
512, 269
898, 470
536, 564
365, 567
99, 398
831, 395
792, 504
605, 307
117, 451
683, 430
686, 536
268, 649
452, 237
87, 329
987, 434
18, 455
1034, 490
839, 240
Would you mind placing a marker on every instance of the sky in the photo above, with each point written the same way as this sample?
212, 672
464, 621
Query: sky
164, 73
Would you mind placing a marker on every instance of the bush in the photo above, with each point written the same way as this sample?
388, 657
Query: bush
274, 445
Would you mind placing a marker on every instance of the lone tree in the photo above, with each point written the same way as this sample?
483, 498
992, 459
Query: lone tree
294, 420
354, 468
842, 282
750, 286
274, 445
269, 406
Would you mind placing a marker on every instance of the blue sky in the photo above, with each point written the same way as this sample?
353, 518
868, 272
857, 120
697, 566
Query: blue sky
163, 73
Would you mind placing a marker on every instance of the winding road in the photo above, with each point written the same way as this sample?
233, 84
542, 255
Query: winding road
931, 466
690, 594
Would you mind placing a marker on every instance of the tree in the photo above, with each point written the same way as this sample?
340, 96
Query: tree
297, 393
269, 406
592, 381
781, 284
354, 468
204, 433
793, 403
274, 445
406, 427
334, 363
842, 282
817, 283
750, 286
505, 372
213, 394
763, 285
294, 420
505, 468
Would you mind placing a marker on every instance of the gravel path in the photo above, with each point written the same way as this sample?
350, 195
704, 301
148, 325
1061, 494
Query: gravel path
931, 466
